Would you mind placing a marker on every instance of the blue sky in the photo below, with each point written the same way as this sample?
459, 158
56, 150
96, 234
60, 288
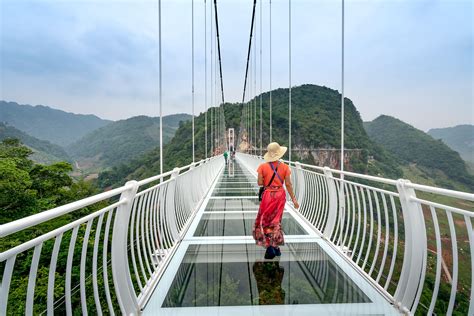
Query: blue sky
412, 59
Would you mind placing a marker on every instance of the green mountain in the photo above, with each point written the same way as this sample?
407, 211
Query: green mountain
43, 151
459, 138
422, 155
123, 140
316, 125
56, 126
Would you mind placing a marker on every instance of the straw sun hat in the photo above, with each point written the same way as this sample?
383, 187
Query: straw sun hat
274, 152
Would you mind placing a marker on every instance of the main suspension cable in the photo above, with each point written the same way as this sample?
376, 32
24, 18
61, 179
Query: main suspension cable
249, 50
219, 50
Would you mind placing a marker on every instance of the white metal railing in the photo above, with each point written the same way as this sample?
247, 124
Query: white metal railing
110, 256
411, 241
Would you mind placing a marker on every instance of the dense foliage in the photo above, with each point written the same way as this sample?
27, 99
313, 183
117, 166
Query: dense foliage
121, 141
27, 188
412, 146
459, 138
43, 151
58, 127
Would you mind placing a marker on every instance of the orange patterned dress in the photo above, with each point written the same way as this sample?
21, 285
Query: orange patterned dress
267, 228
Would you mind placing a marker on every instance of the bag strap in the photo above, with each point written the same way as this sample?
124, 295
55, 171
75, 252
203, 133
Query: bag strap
275, 172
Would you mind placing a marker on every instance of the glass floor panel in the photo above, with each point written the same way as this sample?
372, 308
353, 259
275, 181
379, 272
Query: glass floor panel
241, 178
240, 224
237, 192
232, 205
236, 275
237, 185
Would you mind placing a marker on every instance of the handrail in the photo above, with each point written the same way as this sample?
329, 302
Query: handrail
32, 220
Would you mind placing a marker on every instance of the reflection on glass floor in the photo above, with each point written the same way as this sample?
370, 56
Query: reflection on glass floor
232, 275
240, 224
235, 181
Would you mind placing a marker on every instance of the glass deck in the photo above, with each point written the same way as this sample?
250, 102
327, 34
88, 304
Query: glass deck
233, 275
229, 276
232, 205
240, 224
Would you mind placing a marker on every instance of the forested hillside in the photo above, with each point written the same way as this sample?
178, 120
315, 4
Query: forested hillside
56, 126
420, 153
123, 140
43, 151
459, 138
27, 188
316, 124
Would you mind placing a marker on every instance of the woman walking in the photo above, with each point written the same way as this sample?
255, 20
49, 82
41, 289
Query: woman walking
272, 175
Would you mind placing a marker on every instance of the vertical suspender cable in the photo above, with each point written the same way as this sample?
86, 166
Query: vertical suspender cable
341, 190
212, 90
249, 107
216, 108
192, 66
261, 91
342, 92
255, 94
205, 77
271, 136
289, 80
160, 100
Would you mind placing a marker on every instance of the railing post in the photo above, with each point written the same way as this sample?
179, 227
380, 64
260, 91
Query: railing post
332, 207
170, 203
300, 183
120, 270
414, 257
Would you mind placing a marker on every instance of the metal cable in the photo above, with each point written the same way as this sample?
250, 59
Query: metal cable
212, 87
341, 190
261, 91
192, 68
289, 80
255, 94
205, 76
219, 50
160, 100
249, 49
342, 92
271, 136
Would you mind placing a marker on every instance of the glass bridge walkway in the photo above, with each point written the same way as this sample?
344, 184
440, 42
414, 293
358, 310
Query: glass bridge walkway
218, 269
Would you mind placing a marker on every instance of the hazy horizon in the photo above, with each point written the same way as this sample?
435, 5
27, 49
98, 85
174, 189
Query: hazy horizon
409, 59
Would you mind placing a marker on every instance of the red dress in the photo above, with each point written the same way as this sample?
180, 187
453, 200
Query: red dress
267, 228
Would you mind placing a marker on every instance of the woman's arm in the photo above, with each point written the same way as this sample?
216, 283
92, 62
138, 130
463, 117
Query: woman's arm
289, 187
260, 180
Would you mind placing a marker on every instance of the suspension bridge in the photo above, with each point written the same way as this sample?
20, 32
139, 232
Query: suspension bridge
180, 243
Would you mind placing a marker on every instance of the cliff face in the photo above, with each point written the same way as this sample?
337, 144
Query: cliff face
330, 157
